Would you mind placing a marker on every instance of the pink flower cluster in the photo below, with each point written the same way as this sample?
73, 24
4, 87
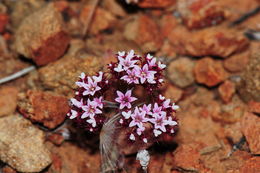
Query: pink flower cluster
88, 102
143, 120
133, 69
159, 115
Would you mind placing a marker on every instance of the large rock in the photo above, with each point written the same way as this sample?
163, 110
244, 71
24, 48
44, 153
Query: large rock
213, 41
180, 72
41, 36
22, 145
47, 108
209, 72
144, 31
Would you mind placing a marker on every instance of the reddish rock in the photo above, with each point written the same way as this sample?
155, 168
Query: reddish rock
201, 13
251, 166
180, 72
145, 32
237, 62
4, 19
44, 107
226, 91
187, 157
156, 3
41, 36
8, 100
250, 126
102, 19
215, 41
173, 93
209, 72
254, 107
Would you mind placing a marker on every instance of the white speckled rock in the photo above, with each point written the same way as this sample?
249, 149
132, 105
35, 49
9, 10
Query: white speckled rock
21, 145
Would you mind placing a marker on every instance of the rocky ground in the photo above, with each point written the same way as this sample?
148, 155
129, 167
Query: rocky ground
213, 73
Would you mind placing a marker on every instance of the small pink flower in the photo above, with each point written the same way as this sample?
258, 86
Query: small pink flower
152, 62
132, 76
90, 110
166, 103
125, 99
138, 118
140, 130
146, 109
171, 122
157, 111
98, 78
146, 75
91, 87
77, 103
127, 62
99, 102
159, 122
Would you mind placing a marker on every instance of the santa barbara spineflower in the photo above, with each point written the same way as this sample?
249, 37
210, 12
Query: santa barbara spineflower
144, 119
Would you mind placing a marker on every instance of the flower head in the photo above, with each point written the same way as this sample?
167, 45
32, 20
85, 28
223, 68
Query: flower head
90, 109
132, 76
125, 99
146, 75
138, 118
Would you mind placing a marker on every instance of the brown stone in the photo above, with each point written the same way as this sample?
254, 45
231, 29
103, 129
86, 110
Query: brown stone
22, 145
145, 32
213, 41
173, 93
102, 19
252, 165
187, 157
226, 91
8, 100
209, 72
254, 107
180, 72
41, 36
250, 126
47, 108
156, 3
201, 13
237, 62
